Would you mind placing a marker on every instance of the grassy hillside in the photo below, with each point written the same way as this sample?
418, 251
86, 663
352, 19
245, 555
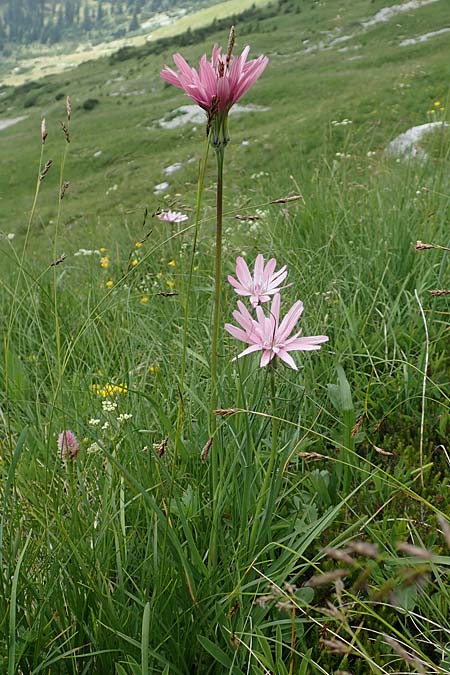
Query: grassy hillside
323, 548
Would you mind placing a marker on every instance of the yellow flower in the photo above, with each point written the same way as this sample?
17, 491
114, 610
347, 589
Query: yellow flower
102, 249
109, 283
104, 262
138, 244
134, 262
172, 263
144, 299
432, 111
154, 369
437, 104
170, 283
159, 275
109, 390
196, 268
442, 108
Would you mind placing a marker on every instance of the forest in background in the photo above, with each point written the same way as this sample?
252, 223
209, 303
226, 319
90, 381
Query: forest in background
51, 21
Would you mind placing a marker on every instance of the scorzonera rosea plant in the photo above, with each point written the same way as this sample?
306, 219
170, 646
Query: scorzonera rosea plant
265, 333
217, 85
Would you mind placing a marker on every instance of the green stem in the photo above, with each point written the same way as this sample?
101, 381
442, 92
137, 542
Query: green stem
270, 467
180, 416
200, 183
214, 352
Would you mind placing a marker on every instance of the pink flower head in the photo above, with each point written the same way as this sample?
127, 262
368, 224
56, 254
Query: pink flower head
68, 444
264, 283
172, 216
268, 335
219, 82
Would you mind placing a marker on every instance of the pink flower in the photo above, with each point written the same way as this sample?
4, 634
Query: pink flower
264, 283
68, 444
218, 83
268, 335
172, 216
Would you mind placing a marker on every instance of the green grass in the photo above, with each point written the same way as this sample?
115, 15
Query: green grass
105, 563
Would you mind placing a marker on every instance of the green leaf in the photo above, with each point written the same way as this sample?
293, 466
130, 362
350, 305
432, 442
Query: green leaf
216, 652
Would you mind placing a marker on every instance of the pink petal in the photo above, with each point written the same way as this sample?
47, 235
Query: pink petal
287, 358
266, 357
269, 269
243, 317
243, 273
171, 77
305, 344
259, 269
249, 350
289, 320
277, 278
250, 77
236, 284
183, 66
237, 333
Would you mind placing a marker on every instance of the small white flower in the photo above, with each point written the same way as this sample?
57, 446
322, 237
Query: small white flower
108, 405
123, 417
105, 426
94, 421
94, 447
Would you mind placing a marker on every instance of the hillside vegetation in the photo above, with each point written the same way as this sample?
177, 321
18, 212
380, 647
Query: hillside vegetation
52, 21
312, 536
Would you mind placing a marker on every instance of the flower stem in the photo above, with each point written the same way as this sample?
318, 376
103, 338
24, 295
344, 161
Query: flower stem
257, 526
214, 349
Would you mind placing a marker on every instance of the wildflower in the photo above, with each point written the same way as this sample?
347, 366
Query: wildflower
170, 283
268, 335
144, 299
108, 405
172, 263
94, 421
68, 444
104, 262
154, 368
138, 244
102, 249
86, 251
134, 262
124, 417
172, 216
437, 104
218, 84
264, 283
109, 283
105, 426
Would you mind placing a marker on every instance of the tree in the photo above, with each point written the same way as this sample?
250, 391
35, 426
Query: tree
134, 24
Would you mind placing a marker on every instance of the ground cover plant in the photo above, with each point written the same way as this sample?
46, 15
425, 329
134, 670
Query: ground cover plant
296, 521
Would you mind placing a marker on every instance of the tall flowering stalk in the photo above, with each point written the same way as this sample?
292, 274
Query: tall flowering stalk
216, 86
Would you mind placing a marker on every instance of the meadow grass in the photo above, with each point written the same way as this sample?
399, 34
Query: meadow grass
339, 561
